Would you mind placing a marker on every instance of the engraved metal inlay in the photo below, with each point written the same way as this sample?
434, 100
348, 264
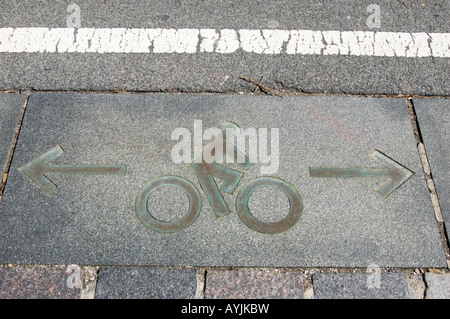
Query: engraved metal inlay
393, 171
38, 169
205, 173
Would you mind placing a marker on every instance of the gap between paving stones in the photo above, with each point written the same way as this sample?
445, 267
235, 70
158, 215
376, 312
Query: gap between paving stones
12, 146
90, 272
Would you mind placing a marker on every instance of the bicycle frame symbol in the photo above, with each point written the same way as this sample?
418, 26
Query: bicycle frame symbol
205, 173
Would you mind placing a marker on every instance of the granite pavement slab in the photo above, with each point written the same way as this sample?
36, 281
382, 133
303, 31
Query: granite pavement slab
361, 286
91, 219
140, 283
433, 116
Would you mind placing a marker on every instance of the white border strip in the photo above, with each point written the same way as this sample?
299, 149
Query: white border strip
303, 42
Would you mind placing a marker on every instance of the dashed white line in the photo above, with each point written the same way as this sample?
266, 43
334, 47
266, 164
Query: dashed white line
224, 41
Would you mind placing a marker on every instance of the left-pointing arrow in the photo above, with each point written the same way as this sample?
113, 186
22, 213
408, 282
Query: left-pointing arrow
38, 169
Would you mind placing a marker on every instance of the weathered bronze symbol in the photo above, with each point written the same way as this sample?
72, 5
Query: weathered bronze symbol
395, 173
38, 169
205, 173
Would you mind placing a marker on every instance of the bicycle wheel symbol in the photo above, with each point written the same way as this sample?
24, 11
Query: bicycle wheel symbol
195, 204
141, 208
295, 209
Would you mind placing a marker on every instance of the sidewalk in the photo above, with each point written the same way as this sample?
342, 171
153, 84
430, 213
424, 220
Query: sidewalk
177, 150
408, 276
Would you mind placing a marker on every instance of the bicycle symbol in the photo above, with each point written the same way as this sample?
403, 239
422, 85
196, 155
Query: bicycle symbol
205, 173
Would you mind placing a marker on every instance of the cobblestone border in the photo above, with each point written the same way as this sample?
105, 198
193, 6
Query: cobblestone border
52, 282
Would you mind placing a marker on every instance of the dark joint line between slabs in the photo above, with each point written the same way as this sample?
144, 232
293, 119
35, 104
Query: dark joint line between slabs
12, 146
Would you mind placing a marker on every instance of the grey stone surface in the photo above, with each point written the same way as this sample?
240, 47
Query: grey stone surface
356, 286
10, 105
143, 283
89, 220
438, 286
220, 72
253, 284
433, 116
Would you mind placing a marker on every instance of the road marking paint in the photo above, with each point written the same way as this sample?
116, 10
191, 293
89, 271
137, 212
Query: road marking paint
268, 41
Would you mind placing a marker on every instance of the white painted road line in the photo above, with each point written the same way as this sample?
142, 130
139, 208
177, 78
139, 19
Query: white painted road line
269, 41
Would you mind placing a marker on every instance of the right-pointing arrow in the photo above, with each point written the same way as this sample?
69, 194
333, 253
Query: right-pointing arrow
393, 171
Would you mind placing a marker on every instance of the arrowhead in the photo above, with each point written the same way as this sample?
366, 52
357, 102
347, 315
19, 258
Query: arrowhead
397, 173
35, 170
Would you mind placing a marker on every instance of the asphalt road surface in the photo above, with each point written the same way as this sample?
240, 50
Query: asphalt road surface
391, 47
